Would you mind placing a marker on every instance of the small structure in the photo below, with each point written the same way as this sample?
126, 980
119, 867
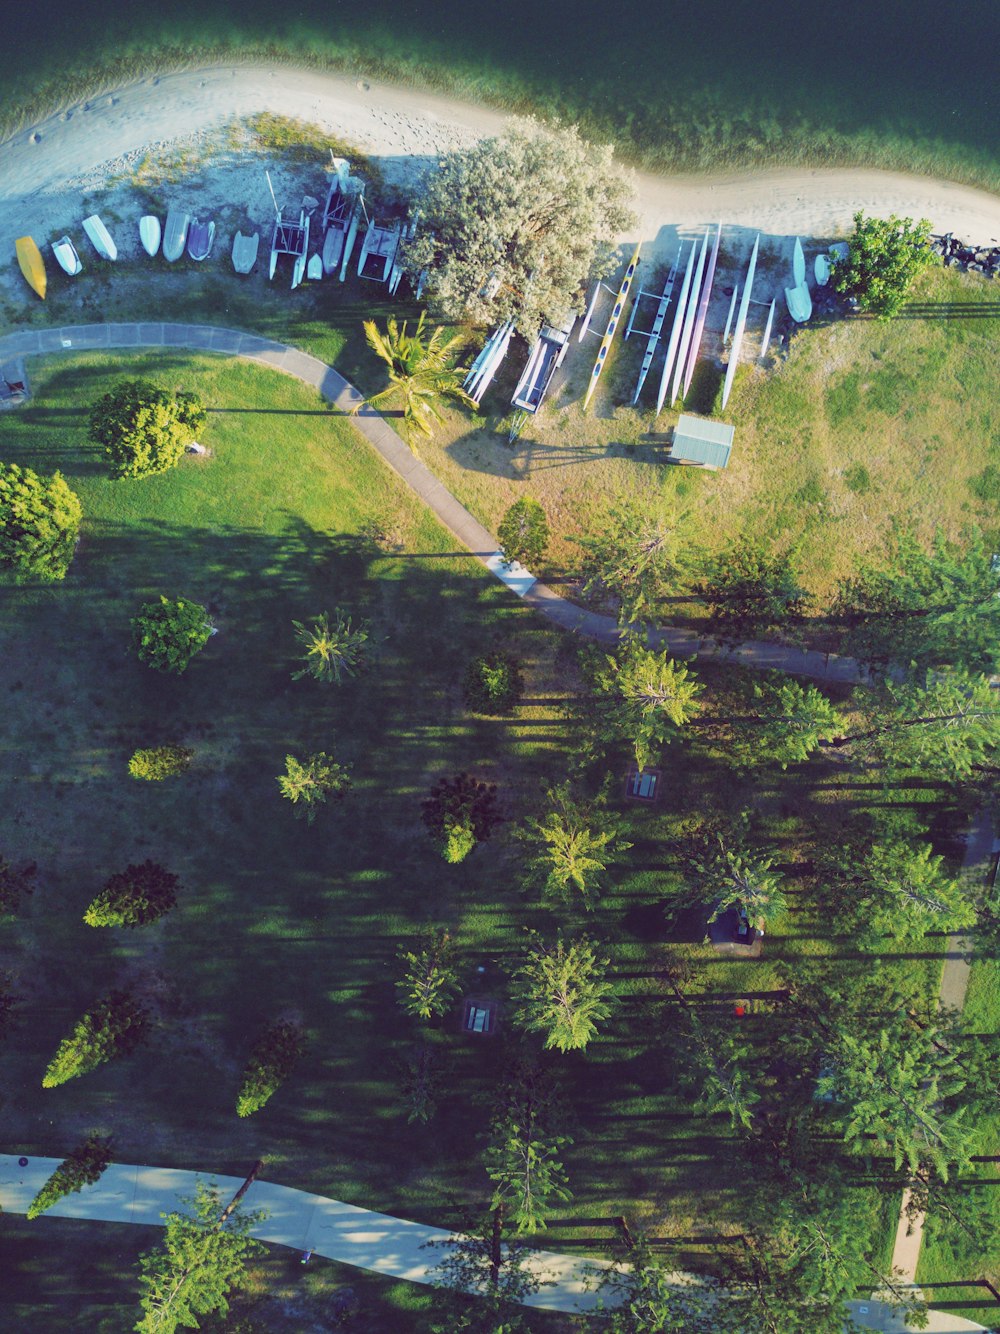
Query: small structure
13, 384
642, 784
480, 1016
705, 444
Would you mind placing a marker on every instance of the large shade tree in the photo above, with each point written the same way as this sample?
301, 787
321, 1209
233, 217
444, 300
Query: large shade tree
515, 227
39, 522
884, 257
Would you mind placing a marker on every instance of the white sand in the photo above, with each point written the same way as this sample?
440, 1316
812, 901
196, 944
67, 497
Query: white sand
44, 171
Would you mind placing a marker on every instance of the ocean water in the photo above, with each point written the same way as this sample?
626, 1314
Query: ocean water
698, 83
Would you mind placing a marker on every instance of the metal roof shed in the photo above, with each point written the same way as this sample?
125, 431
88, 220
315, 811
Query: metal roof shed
705, 443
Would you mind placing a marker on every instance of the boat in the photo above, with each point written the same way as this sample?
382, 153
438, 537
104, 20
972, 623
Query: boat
799, 302
338, 213
378, 251
741, 323
732, 312
314, 269
544, 359
149, 234
399, 263
100, 237
201, 237
689, 318
614, 319
29, 257
765, 341
66, 256
245, 251
675, 332
290, 238
798, 264
653, 337
488, 362
175, 234
702, 312
839, 251
821, 268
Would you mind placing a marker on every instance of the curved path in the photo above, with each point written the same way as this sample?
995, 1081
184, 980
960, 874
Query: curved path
470, 532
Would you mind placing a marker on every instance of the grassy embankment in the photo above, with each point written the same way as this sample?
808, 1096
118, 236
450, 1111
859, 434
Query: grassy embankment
278, 917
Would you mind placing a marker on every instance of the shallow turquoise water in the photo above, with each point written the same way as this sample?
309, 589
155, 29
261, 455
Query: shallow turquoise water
702, 77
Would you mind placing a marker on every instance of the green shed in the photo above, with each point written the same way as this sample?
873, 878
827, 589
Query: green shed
703, 443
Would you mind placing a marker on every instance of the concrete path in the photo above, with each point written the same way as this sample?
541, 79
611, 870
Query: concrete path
380, 435
295, 1218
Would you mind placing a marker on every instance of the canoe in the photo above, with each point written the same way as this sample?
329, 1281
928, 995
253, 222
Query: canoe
675, 331
32, 265
100, 237
245, 251
653, 337
799, 301
689, 319
175, 234
314, 269
149, 234
66, 256
765, 341
201, 237
798, 264
703, 304
741, 322
612, 326
822, 270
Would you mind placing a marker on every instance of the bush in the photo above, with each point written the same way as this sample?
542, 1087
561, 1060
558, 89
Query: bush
885, 256
143, 428
493, 684
272, 1060
114, 1027
167, 634
308, 784
39, 522
134, 897
524, 533
459, 813
160, 762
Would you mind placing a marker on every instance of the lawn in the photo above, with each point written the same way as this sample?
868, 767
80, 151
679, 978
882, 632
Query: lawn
293, 514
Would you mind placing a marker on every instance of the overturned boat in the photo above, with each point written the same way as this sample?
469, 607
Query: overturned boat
245, 251
175, 234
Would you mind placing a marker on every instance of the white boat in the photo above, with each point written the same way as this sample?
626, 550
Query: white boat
338, 212
653, 337
741, 323
798, 264
544, 359
689, 319
703, 304
614, 319
175, 234
201, 238
378, 251
765, 341
314, 269
486, 365
290, 238
675, 332
821, 268
800, 305
149, 234
100, 237
66, 256
245, 251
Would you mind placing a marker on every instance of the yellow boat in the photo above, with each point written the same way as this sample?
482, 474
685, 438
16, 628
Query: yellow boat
32, 265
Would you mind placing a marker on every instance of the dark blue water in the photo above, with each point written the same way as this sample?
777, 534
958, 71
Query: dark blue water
700, 79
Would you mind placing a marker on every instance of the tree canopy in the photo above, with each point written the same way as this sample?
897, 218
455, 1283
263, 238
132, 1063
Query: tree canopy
423, 373
885, 255
560, 991
82, 1168
524, 533
39, 522
515, 227
167, 634
144, 428
275, 1054
751, 590
114, 1027
134, 897
634, 554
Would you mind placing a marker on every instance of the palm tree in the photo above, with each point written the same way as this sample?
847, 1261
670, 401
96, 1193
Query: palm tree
421, 373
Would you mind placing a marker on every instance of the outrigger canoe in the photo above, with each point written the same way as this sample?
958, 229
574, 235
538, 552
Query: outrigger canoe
29, 257
612, 326
100, 237
66, 256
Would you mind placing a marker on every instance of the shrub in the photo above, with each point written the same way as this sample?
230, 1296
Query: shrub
143, 428
167, 634
885, 255
272, 1060
114, 1027
524, 533
39, 522
459, 813
160, 762
134, 897
493, 684
308, 784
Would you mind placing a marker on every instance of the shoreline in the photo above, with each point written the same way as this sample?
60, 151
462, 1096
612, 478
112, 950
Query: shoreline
89, 144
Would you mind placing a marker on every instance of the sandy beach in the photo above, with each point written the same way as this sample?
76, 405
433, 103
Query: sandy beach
80, 156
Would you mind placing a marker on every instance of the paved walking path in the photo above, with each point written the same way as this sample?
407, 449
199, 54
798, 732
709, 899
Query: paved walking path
455, 517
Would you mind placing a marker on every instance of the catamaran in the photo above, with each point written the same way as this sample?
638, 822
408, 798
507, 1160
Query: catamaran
689, 319
290, 238
741, 323
66, 256
653, 337
675, 332
399, 263
378, 251
340, 214
488, 362
614, 320
699, 323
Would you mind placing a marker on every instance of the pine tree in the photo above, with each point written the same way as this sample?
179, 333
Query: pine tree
134, 897
309, 783
273, 1058
114, 1027
570, 846
82, 1168
645, 698
332, 652
635, 555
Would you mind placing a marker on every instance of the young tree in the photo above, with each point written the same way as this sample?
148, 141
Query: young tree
513, 228
885, 256
570, 846
114, 1027
273, 1058
159, 762
134, 897
430, 983
82, 1168
900, 891
522, 1161
332, 651
485, 1278
750, 590
422, 374
460, 813
493, 684
167, 634
634, 555
421, 1083
524, 533
309, 783
39, 522
644, 697
792, 721
15, 885
744, 880
560, 991
201, 1259
643, 1297
143, 428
